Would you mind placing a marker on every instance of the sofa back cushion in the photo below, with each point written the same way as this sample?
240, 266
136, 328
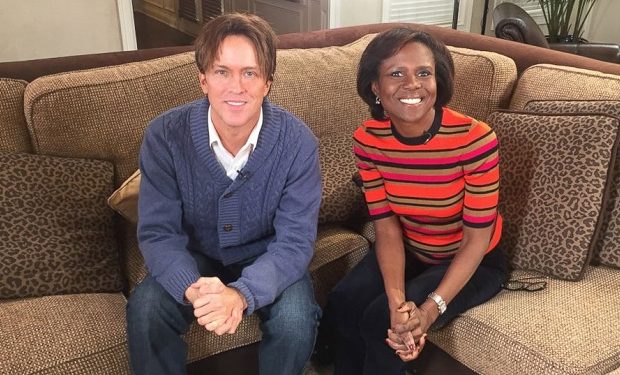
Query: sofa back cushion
102, 113
483, 82
554, 176
606, 251
553, 82
319, 85
56, 232
14, 133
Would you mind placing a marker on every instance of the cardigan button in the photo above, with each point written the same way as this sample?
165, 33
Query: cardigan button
228, 227
228, 195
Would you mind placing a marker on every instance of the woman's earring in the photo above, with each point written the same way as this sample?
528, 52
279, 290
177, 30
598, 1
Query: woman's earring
377, 100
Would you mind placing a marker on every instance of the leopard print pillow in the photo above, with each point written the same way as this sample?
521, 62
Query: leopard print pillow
554, 172
56, 232
342, 200
607, 251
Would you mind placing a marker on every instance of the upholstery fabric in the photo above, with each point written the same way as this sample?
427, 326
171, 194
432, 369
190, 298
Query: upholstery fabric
493, 76
326, 77
13, 128
551, 194
94, 344
124, 200
607, 251
512, 334
307, 79
552, 82
342, 200
57, 234
337, 251
68, 113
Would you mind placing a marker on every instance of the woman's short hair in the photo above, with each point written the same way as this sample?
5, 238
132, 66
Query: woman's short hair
257, 30
386, 45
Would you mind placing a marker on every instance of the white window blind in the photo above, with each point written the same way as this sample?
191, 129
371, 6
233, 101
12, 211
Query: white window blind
433, 12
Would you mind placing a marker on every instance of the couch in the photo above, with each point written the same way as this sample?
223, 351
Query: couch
70, 139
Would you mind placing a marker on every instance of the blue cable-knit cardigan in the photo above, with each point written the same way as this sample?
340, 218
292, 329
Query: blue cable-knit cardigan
188, 203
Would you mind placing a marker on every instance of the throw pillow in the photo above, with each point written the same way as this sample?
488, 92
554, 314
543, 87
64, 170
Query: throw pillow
125, 199
554, 174
607, 251
56, 232
342, 199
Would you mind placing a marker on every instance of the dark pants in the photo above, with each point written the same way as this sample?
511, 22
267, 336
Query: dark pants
357, 312
155, 323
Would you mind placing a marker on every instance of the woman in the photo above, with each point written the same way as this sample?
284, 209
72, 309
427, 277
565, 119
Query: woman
431, 182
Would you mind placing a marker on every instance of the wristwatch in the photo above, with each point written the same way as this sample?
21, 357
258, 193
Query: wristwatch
441, 304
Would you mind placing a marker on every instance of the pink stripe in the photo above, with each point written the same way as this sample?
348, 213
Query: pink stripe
486, 166
427, 161
378, 211
414, 161
360, 152
361, 165
410, 178
430, 231
479, 219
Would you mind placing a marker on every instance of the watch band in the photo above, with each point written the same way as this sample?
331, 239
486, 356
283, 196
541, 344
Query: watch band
441, 304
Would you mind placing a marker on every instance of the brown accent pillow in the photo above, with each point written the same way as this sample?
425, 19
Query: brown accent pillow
125, 199
341, 199
56, 232
607, 251
554, 173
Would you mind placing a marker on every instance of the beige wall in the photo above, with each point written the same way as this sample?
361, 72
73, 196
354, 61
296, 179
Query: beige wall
359, 12
604, 26
32, 29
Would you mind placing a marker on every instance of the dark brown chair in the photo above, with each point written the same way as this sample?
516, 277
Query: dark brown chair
513, 23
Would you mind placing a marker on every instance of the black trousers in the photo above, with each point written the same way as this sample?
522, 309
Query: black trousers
357, 317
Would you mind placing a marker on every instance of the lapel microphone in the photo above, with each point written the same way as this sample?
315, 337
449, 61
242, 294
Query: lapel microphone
243, 175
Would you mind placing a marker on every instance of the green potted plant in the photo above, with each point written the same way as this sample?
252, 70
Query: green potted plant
558, 15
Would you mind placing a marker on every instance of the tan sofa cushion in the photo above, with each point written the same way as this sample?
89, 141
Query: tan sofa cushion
102, 113
63, 335
607, 251
483, 82
554, 175
318, 86
13, 128
56, 232
326, 77
553, 82
567, 328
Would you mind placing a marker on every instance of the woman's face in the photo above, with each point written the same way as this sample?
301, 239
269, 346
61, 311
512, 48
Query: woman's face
408, 89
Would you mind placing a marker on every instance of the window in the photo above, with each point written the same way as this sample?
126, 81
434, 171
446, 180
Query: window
436, 12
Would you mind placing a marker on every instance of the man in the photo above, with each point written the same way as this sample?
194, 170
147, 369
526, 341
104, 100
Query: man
228, 208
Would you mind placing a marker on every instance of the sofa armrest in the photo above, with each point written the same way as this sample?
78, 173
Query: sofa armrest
609, 52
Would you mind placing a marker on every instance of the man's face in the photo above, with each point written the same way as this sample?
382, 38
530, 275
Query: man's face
235, 85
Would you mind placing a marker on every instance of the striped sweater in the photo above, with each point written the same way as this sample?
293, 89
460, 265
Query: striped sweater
436, 185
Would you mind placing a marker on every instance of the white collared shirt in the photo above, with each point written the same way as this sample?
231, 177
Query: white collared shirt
233, 164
